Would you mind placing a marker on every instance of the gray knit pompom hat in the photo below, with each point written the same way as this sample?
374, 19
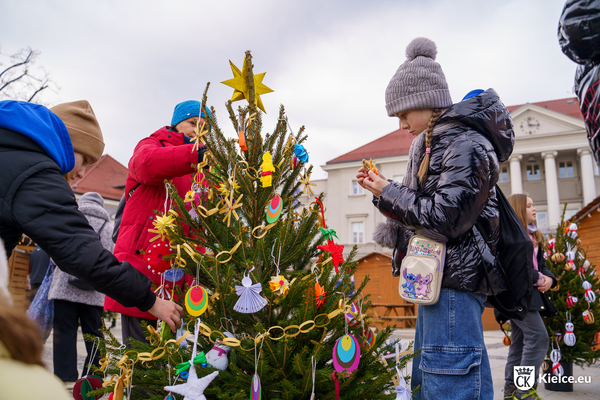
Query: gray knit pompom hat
419, 82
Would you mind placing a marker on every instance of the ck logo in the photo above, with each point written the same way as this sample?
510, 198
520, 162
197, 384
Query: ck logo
523, 377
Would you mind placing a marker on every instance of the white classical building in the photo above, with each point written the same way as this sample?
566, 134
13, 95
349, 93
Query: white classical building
551, 162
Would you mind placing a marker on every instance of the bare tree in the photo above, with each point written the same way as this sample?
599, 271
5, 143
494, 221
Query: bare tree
20, 79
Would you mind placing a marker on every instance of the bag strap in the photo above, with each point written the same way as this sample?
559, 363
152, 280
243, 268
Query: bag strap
102, 227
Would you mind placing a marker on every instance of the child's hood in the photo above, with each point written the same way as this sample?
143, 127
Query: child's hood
42, 126
486, 114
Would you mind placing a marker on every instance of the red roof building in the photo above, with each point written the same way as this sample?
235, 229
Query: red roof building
398, 142
107, 177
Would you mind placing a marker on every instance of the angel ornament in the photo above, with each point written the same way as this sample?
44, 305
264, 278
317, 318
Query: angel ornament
569, 338
250, 300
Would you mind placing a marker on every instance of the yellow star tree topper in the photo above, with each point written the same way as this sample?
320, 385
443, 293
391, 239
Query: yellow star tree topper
241, 85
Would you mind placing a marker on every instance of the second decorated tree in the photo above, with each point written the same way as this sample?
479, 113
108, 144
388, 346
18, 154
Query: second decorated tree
273, 303
575, 331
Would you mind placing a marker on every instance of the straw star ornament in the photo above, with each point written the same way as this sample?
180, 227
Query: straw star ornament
241, 85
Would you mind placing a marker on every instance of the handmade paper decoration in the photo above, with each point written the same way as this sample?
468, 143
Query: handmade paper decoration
255, 389
196, 301
217, 356
275, 208
590, 296
558, 257
279, 285
336, 250
370, 166
250, 300
368, 337
173, 275
300, 153
155, 257
572, 231
570, 300
351, 315
305, 179
346, 354
267, 169
588, 316
569, 338
403, 392
555, 357
242, 141
320, 294
85, 385
241, 84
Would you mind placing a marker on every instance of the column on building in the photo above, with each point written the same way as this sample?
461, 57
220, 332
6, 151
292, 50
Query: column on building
516, 184
588, 182
552, 188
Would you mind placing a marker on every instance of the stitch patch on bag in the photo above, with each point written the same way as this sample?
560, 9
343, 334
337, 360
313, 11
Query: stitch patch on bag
422, 271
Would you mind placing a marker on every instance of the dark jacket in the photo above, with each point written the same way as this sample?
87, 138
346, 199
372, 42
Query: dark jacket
544, 306
35, 199
457, 203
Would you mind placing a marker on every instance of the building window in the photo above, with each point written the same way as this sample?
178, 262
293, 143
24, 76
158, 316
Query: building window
358, 232
569, 213
503, 175
533, 172
356, 188
565, 169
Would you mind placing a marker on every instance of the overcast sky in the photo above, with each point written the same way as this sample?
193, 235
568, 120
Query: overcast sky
328, 62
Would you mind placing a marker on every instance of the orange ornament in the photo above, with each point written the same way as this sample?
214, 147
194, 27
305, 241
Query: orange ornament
320, 294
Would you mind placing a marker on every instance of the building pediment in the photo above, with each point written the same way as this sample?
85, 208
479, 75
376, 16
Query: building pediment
533, 121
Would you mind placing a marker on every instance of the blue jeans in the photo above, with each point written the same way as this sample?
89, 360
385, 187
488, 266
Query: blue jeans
453, 362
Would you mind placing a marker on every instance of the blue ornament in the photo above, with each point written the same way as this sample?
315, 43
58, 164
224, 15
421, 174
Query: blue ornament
173, 274
204, 365
184, 374
301, 153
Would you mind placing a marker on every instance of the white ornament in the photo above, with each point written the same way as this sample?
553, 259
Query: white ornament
250, 300
589, 293
402, 390
569, 337
555, 357
194, 388
217, 356
573, 230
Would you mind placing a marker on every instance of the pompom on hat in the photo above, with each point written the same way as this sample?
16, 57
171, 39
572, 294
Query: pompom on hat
419, 83
83, 127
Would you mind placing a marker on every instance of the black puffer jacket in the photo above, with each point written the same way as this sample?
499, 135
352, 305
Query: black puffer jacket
457, 203
35, 199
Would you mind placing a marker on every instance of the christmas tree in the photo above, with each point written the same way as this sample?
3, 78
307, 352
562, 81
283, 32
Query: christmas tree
273, 310
574, 330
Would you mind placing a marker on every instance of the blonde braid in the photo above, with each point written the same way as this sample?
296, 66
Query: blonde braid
424, 167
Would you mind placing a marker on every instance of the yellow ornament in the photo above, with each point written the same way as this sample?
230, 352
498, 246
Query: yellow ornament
267, 169
241, 86
307, 184
162, 225
279, 285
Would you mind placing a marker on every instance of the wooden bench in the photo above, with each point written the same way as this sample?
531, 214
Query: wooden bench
406, 317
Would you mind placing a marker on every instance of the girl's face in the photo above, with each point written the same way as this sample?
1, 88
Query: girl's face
414, 121
188, 126
530, 211
81, 162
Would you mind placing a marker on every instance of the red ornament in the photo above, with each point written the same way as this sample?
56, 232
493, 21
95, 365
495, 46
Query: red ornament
155, 257
336, 251
85, 385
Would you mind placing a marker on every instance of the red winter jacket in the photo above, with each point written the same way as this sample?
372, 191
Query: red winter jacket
162, 155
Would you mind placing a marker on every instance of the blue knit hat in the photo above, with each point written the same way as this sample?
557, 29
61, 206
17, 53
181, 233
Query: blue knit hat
187, 109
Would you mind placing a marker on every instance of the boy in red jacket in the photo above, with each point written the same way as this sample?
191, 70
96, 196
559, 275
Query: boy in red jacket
167, 154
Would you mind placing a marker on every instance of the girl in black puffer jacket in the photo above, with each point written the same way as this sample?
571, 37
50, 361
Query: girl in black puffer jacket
448, 194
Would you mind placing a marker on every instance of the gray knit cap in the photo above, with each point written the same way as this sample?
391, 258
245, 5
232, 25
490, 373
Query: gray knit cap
419, 82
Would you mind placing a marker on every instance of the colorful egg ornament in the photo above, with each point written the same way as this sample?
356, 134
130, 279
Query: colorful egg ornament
346, 354
196, 301
275, 208
85, 385
255, 390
